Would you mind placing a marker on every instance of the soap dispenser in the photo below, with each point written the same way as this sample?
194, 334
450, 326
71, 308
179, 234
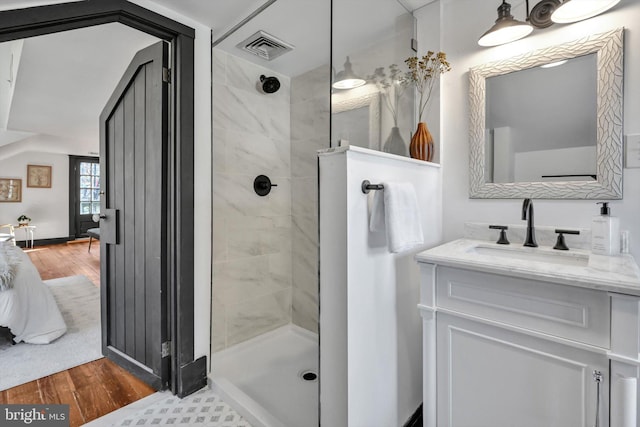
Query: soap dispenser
605, 232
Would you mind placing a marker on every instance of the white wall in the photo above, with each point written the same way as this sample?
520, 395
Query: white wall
463, 21
48, 208
371, 351
202, 166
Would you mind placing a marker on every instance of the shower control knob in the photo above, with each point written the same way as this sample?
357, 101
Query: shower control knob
262, 185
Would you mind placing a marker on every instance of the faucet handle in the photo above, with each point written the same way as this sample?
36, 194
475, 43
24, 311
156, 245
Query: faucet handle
560, 243
502, 240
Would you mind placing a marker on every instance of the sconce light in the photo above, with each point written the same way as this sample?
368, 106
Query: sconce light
577, 10
544, 13
347, 79
506, 29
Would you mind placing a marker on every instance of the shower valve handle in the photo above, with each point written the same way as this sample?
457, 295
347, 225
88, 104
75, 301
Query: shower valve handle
262, 185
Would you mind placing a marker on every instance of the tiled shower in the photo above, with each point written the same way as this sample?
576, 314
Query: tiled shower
265, 248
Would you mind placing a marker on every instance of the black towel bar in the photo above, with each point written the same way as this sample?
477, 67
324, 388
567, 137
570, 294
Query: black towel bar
367, 186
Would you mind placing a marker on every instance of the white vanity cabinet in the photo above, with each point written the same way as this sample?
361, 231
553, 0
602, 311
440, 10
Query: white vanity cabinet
491, 376
504, 348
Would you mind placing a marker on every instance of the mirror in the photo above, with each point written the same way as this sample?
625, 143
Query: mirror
552, 132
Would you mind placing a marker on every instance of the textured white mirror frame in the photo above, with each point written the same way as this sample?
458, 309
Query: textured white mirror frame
610, 51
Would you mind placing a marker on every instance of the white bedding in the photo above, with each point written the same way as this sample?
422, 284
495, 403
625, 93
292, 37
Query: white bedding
28, 308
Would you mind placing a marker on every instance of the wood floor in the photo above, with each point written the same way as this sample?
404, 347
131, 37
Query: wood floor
93, 389
67, 259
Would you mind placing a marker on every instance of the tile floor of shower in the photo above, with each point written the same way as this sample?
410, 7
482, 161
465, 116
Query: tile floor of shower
257, 383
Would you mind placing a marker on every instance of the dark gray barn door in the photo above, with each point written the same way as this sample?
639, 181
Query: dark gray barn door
133, 156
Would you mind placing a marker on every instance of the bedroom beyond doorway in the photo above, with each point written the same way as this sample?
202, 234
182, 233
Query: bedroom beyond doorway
92, 389
67, 259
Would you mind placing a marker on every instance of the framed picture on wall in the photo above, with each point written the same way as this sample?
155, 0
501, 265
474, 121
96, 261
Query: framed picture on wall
38, 176
10, 190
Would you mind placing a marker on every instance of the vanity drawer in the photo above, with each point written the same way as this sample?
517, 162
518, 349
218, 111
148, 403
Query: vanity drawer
569, 312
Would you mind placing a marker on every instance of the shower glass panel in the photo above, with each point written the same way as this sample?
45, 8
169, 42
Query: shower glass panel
372, 38
272, 111
271, 96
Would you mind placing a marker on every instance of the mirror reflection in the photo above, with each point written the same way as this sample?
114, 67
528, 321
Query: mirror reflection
379, 114
541, 123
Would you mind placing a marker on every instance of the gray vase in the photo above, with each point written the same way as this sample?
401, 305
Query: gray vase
395, 144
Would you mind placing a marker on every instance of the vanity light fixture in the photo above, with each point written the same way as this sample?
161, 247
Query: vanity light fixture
577, 10
506, 29
347, 79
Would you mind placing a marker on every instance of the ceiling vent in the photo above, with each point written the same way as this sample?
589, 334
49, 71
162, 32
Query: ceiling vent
265, 46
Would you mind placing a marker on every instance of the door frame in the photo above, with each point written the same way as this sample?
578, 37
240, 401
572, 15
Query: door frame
187, 374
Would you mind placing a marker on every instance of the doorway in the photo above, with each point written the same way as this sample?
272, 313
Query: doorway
84, 194
186, 374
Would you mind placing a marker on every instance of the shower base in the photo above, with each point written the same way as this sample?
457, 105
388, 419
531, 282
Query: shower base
262, 379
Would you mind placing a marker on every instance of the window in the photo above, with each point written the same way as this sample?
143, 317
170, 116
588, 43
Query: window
89, 188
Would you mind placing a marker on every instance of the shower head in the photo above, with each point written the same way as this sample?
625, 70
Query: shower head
269, 84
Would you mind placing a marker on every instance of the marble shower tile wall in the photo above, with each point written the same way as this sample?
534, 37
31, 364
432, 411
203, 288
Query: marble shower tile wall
252, 290
309, 133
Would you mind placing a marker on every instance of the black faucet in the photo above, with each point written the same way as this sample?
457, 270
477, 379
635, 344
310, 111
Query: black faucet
527, 214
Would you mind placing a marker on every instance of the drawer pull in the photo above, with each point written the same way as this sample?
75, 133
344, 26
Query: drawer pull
597, 377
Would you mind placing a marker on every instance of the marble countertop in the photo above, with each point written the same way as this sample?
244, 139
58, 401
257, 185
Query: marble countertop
618, 274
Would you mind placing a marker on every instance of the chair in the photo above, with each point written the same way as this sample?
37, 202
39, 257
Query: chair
10, 236
93, 233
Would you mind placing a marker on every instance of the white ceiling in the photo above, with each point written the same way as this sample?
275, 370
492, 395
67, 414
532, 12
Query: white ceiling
306, 24
219, 15
64, 79
310, 37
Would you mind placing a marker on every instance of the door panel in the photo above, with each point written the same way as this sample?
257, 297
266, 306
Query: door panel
134, 143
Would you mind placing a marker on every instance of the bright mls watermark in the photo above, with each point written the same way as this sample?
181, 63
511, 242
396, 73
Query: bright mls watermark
34, 415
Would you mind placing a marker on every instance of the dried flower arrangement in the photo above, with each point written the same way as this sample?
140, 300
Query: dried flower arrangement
424, 72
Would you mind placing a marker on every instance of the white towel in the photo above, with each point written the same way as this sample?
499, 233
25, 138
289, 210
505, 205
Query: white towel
396, 209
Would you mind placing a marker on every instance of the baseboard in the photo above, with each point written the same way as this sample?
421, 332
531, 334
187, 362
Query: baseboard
416, 418
75, 240
40, 242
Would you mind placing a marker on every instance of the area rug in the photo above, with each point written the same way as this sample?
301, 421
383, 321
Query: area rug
79, 302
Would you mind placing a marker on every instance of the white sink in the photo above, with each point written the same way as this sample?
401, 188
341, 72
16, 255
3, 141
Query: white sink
524, 253
575, 267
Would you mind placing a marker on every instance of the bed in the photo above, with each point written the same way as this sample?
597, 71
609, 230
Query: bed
27, 306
